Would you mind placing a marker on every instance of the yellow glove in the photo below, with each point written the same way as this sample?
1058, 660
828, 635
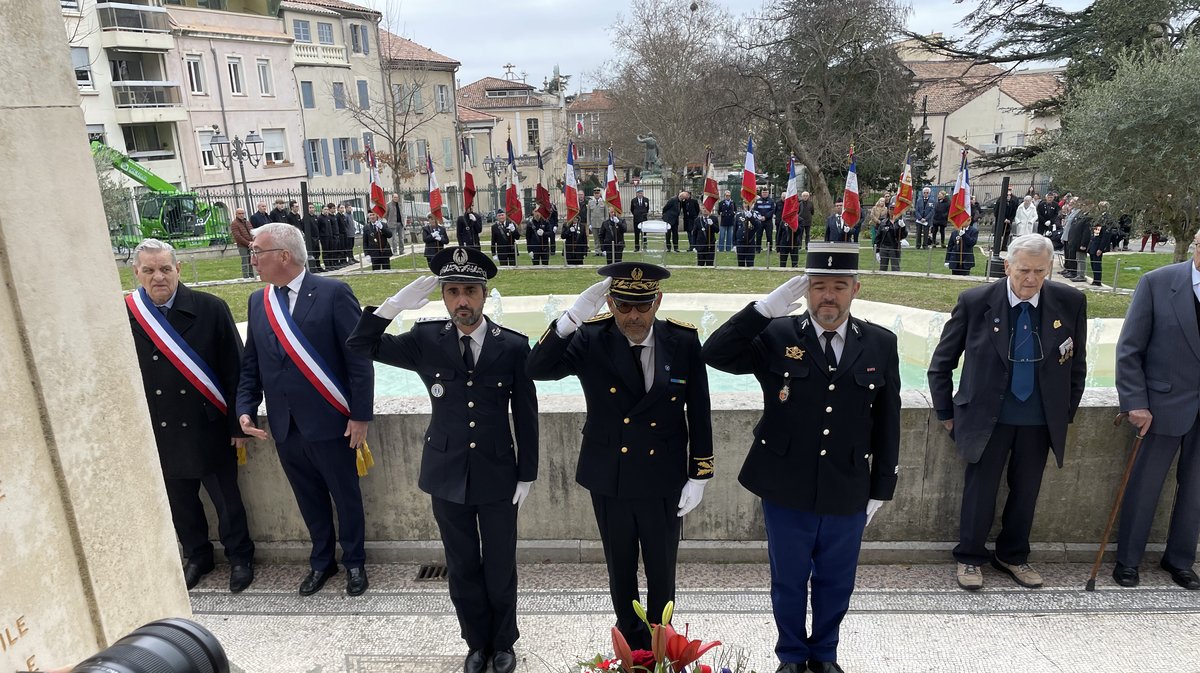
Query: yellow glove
363, 459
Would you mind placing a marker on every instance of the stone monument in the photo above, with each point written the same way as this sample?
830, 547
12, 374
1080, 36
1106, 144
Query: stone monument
88, 549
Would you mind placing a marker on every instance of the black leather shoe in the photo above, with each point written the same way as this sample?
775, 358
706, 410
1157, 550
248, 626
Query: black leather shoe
1184, 577
788, 667
1126, 576
504, 661
476, 662
824, 667
316, 579
356, 581
240, 577
194, 572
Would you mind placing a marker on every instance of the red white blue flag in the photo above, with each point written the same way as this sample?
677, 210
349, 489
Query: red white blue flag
435, 192
611, 194
791, 200
570, 187
851, 205
960, 201
749, 179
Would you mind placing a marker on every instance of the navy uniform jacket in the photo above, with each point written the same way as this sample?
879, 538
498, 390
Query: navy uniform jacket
326, 312
192, 435
834, 442
469, 455
835, 229
980, 326
636, 444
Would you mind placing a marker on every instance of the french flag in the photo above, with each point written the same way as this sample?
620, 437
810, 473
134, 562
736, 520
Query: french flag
749, 179
435, 192
468, 179
851, 205
791, 200
611, 194
960, 201
570, 187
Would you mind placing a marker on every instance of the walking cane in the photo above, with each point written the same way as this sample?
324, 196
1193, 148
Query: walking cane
1112, 516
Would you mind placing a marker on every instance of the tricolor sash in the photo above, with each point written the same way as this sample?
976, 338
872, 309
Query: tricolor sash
302, 354
178, 352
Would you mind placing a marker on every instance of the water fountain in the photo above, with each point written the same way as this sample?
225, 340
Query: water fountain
708, 320
551, 310
496, 312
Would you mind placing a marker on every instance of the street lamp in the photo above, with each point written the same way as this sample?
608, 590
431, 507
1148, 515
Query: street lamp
249, 150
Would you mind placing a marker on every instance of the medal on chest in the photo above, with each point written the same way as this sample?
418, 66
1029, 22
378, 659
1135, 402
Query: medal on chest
437, 390
786, 391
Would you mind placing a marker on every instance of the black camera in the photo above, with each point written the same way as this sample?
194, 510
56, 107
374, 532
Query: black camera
164, 646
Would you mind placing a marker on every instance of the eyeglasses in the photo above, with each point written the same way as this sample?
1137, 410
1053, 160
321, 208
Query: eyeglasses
625, 307
1038, 355
255, 252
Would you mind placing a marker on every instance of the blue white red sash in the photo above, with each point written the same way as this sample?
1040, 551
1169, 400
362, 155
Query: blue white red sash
303, 355
178, 352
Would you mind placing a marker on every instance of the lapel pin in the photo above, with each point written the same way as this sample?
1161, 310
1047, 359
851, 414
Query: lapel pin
794, 353
495, 331
667, 368
1057, 324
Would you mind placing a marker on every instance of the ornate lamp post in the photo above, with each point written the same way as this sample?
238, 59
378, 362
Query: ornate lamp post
248, 150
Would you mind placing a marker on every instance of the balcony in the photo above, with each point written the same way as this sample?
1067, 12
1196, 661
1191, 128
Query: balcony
140, 102
304, 53
130, 26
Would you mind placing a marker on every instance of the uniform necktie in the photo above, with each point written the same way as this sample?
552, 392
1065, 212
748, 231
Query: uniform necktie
830, 356
162, 309
1023, 355
468, 356
637, 361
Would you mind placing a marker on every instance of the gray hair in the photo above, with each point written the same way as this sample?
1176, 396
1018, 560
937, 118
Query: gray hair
1031, 244
153, 245
287, 237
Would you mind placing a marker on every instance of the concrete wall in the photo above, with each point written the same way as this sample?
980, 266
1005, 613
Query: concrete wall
556, 523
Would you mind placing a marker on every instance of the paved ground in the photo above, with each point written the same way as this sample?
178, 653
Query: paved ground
903, 618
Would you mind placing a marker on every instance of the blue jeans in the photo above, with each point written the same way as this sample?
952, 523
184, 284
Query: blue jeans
725, 238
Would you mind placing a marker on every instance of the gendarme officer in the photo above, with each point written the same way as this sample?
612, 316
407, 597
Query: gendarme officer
647, 442
477, 475
824, 455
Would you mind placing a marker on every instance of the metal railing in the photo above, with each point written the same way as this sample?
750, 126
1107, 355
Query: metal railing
128, 94
125, 16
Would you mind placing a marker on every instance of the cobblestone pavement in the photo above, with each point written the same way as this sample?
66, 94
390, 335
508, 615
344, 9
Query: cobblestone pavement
902, 618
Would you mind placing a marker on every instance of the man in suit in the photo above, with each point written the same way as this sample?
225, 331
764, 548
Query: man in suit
326, 232
639, 207
824, 456
1022, 379
836, 231
923, 215
395, 217
727, 211
765, 207
468, 227
647, 442
805, 216
1158, 384
597, 213
475, 372
194, 428
312, 238
504, 240
318, 415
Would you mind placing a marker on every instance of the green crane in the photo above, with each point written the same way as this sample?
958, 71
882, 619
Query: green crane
167, 213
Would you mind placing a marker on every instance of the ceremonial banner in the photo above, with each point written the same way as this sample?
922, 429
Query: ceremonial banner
851, 206
791, 200
960, 201
570, 187
611, 194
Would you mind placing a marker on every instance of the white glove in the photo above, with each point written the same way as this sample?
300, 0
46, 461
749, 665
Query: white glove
586, 306
872, 507
471, 217
783, 299
437, 235
512, 227
693, 493
539, 233
521, 493
379, 226
876, 257
411, 297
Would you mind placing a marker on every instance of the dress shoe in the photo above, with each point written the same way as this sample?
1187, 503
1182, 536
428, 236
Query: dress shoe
1184, 577
824, 666
790, 667
969, 577
1097, 283
504, 661
1021, 573
194, 572
476, 662
316, 579
240, 577
356, 581
1126, 576
1078, 279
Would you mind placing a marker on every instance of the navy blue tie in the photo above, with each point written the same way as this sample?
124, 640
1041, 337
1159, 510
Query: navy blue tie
1023, 355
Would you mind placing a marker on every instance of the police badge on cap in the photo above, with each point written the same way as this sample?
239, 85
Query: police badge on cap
462, 265
634, 282
832, 259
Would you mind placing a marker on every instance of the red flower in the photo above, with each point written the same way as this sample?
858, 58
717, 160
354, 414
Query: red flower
606, 665
644, 658
702, 668
682, 652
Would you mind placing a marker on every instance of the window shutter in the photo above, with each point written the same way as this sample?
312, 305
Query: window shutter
325, 155
366, 40
337, 156
364, 100
354, 150
308, 148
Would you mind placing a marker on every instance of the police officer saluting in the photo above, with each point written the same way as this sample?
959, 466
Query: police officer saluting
824, 455
647, 442
475, 372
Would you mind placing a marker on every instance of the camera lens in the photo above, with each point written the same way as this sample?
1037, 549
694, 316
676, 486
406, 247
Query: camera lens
164, 646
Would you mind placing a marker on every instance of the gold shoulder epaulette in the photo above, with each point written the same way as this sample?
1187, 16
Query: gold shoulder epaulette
600, 318
681, 323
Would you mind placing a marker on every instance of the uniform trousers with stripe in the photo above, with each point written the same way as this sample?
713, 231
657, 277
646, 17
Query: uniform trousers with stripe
818, 550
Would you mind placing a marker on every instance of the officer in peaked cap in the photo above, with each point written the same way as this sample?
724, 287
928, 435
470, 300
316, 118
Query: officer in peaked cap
647, 443
475, 472
823, 458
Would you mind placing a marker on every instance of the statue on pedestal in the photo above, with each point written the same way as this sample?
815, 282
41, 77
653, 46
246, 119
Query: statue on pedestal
651, 162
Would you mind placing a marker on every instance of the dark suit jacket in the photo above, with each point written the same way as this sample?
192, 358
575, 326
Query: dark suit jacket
469, 453
468, 230
833, 229
636, 444
192, 434
1158, 352
326, 312
979, 326
639, 207
834, 442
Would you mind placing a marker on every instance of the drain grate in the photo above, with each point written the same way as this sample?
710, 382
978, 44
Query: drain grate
430, 572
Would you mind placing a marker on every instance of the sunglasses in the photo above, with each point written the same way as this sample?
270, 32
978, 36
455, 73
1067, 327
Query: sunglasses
625, 307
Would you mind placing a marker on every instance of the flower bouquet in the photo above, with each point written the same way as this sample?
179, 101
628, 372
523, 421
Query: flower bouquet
671, 652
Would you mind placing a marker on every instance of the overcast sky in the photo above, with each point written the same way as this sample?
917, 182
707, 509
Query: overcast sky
484, 35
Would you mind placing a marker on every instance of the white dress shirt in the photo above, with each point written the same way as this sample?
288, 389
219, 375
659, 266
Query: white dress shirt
294, 290
1196, 280
647, 357
839, 341
1013, 299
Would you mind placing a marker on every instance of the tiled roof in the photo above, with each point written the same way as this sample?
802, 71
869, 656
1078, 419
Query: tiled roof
948, 85
468, 115
475, 95
396, 48
597, 100
336, 4
1028, 88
